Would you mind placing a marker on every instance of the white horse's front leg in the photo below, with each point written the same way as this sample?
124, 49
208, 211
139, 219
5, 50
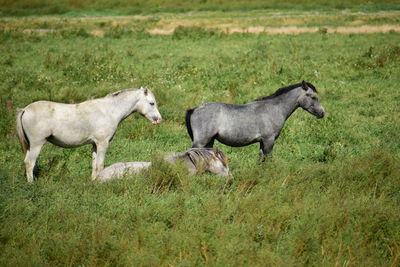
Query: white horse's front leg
101, 149
94, 156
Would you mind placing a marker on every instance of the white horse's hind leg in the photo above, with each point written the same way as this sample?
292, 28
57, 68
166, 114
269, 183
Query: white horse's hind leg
30, 159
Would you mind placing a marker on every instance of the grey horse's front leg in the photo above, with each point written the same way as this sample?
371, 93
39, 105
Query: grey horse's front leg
266, 146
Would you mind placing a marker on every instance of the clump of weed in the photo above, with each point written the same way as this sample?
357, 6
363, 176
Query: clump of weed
164, 177
378, 57
19, 35
247, 180
194, 32
86, 67
323, 30
8, 60
117, 32
81, 32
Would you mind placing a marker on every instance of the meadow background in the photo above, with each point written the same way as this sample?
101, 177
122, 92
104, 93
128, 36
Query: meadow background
329, 194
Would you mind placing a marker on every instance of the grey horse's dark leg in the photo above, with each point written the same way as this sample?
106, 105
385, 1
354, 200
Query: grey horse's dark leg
211, 143
204, 142
266, 146
208, 143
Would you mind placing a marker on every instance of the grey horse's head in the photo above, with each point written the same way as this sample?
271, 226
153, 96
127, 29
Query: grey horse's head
309, 101
147, 106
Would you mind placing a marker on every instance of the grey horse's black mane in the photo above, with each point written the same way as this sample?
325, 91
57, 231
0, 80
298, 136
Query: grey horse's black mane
286, 89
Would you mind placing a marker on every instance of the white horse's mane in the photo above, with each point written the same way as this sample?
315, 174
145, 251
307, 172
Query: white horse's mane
123, 91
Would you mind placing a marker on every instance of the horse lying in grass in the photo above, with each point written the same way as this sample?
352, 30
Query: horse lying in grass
72, 125
259, 121
197, 160
121, 169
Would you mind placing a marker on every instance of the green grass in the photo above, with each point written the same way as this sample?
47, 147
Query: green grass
127, 7
329, 195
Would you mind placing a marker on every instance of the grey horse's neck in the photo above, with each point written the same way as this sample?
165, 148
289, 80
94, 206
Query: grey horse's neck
124, 103
285, 104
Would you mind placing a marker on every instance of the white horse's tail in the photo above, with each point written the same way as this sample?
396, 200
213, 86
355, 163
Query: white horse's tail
21, 133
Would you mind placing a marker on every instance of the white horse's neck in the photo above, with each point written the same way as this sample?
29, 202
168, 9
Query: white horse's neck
123, 104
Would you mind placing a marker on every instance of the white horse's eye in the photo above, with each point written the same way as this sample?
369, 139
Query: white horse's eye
151, 103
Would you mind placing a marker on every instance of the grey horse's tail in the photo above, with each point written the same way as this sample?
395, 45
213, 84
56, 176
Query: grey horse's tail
189, 113
24, 141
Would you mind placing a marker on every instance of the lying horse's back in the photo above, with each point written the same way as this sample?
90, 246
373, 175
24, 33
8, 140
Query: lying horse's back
120, 169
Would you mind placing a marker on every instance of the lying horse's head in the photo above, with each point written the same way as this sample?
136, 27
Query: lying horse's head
209, 159
309, 101
147, 106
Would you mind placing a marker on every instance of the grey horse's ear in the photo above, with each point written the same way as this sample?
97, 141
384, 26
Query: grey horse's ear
304, 85
145, 91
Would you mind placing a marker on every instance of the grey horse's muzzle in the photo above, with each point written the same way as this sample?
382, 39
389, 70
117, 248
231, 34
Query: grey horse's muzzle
320, 113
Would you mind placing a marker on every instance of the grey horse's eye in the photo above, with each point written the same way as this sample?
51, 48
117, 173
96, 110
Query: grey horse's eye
151, 103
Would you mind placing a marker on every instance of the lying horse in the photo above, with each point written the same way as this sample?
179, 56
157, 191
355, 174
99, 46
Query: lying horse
72, 125
121, 169
197, 160
259, 121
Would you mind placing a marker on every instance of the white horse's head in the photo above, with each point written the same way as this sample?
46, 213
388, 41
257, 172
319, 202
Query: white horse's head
147, 106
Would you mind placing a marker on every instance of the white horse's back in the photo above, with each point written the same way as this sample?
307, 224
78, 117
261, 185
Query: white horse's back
68, 125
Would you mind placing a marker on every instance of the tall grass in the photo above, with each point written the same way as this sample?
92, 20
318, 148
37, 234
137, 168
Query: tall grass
328, 195
41, 7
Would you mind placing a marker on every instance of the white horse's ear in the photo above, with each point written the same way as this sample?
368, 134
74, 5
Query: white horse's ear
304, 85
145, 91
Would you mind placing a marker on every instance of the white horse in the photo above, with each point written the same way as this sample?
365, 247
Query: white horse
71, 125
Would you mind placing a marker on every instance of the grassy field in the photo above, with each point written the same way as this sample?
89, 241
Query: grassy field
328, 195
129, 7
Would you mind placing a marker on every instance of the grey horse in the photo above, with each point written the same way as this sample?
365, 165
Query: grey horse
259, 121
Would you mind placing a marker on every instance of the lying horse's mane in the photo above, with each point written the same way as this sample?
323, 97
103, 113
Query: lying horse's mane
197, 156
286, 89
